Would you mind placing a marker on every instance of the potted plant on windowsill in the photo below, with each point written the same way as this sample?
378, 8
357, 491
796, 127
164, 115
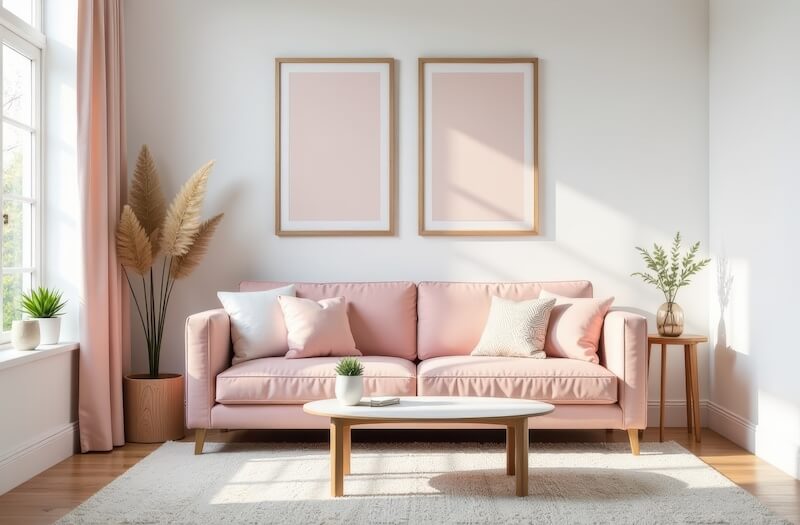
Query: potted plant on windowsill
669, 274
45, 306
148, 231
349, 381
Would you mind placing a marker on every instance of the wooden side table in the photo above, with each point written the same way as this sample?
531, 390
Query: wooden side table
689, 343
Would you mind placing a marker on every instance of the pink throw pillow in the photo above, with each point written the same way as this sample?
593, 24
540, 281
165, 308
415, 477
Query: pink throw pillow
575, 326
317, 329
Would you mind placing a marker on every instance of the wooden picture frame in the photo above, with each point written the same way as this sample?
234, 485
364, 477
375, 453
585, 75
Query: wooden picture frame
478, 146
335, 158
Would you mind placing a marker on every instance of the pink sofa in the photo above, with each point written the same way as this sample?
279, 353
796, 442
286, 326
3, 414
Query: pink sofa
416, 340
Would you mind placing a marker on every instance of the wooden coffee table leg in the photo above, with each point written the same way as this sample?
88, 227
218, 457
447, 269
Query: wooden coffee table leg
510, 457
346, 450
337, 458
521, 455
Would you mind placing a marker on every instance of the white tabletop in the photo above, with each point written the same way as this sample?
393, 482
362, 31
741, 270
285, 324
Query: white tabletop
434, 408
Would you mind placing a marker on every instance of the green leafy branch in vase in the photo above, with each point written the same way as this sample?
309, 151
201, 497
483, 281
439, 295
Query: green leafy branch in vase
671, 272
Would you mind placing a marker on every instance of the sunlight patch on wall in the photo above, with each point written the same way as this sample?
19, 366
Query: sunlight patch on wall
778, 432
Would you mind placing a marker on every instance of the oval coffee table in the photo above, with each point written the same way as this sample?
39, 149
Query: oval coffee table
511, 413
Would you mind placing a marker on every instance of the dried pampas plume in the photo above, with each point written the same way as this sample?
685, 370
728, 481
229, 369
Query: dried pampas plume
146, 198
185, 264
183, 217
133, 246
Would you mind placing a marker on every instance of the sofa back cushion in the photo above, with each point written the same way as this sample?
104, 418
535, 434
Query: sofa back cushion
383, 316
452, 315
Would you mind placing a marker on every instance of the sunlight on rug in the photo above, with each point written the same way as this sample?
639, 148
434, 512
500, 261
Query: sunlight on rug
420, 483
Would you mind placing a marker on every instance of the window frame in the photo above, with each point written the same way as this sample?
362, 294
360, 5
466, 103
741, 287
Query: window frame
29, 41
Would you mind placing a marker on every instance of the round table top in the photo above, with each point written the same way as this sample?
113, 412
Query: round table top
433, 408
683, 339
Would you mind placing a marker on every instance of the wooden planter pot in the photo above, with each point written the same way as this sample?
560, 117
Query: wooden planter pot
153, 408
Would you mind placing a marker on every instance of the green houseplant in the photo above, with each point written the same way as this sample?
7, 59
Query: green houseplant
45, 305
147, 231
349, 381
669, 272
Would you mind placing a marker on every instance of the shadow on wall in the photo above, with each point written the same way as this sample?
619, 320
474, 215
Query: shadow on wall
733, 369
724, 286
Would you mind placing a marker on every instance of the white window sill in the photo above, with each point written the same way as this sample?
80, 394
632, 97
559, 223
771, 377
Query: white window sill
9, 357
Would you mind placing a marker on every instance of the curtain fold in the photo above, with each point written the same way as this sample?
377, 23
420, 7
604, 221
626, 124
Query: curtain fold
104, 329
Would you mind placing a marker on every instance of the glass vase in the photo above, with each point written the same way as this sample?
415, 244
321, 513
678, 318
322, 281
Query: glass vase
669, 320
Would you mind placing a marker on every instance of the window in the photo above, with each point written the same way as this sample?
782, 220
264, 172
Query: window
20, 154
25, 10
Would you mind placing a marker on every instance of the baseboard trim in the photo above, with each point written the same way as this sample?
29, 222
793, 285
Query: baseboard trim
674, 413
732, 426
37, 455
764, 443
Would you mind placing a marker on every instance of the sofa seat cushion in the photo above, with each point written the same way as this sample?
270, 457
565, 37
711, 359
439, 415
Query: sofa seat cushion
554, 380
281, 381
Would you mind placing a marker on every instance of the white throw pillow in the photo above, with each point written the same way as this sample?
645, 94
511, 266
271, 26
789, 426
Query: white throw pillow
257, 327
515, 328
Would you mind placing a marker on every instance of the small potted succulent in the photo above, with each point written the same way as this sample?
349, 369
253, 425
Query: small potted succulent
349, 381
45, 305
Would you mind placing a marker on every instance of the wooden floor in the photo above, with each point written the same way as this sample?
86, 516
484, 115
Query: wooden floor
53, 493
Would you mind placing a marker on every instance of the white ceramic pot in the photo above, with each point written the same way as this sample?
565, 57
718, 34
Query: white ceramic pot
25, 334
349, 389
49, 329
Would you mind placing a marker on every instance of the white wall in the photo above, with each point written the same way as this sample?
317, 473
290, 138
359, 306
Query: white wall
39, 404
754, 183
623, 137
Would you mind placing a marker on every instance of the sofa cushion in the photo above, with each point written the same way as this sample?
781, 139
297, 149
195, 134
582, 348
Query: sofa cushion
515, 328
452, 315
554, 380
277, 380
317, 328
257, 327
575, 327
383, 316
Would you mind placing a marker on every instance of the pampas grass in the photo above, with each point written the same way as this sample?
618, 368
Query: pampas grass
133, 246
146, 228
183, 217
146, 198
183, 265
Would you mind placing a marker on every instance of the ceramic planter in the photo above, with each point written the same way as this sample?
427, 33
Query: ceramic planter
153, 408
349, 389
25, 334
49, 329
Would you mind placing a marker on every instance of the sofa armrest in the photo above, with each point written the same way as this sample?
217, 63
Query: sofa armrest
208, 352
624, 344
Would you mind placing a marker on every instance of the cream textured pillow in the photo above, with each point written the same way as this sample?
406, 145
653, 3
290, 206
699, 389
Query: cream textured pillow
257, 328
515, 329
317, 329
575, 326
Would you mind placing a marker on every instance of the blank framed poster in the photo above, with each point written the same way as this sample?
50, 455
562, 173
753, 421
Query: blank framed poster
478, 134
334, 146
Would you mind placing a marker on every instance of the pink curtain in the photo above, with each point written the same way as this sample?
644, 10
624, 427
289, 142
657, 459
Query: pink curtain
104, 339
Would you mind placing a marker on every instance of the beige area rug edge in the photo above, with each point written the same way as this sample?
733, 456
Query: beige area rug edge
421, 483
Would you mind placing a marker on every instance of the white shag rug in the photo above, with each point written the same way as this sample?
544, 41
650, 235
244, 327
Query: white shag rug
412, 483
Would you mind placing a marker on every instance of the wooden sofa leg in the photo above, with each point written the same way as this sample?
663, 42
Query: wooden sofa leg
633, 436
199, 440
